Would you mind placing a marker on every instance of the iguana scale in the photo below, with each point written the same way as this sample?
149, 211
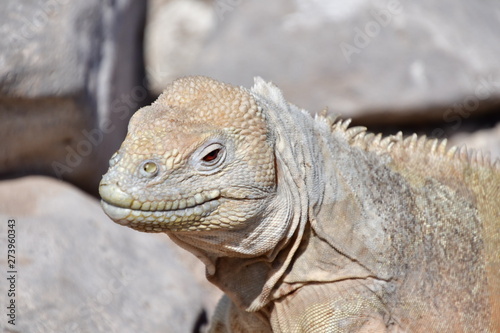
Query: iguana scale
308, 225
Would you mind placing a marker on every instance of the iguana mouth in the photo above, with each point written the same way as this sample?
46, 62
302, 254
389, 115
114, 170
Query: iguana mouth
158, 216
159, 219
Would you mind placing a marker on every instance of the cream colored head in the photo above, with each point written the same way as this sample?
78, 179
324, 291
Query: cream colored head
199, 158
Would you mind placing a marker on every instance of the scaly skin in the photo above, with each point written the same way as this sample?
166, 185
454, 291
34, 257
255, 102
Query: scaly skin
175, 146
308, 225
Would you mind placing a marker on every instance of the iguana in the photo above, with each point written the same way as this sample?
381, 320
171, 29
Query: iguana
308, 225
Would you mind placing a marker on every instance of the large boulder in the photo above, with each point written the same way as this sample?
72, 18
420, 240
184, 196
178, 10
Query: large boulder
70, 78
77, 271
175, 33
379, 61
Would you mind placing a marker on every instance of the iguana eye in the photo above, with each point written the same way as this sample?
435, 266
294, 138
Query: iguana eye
210, 157
149, 169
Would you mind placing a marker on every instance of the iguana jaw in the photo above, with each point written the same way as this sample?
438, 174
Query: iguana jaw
187, 214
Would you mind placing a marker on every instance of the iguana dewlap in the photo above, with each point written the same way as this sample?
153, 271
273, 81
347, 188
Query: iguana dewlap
308, 225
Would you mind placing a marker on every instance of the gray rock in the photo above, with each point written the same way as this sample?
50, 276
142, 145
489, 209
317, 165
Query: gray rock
77, 271
70, 77
379, 61
174, 36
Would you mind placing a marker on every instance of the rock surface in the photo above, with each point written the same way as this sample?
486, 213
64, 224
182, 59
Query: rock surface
378, 61
70, 77
77, 271
174, 36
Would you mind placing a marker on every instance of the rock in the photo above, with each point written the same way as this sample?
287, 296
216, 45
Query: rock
70, 78
174, 36
379, 61
77, 271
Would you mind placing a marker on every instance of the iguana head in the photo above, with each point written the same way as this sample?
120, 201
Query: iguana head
199, 158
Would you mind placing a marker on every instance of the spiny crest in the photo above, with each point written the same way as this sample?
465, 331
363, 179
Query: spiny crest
358, 136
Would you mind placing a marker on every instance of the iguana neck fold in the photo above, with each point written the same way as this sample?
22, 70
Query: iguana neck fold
301, 144
325, 175
274, 236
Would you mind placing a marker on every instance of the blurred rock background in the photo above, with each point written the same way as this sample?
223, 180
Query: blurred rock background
73, 72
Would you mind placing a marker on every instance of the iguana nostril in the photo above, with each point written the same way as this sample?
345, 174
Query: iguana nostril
114, 159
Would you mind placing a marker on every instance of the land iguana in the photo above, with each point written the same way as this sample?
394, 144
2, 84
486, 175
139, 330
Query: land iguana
308, 225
